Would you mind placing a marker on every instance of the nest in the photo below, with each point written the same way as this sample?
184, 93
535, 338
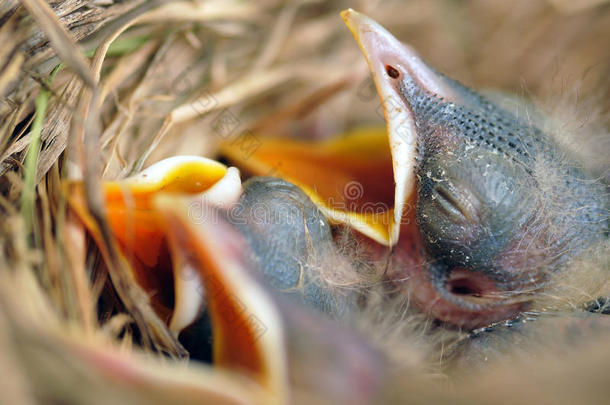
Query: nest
100, 89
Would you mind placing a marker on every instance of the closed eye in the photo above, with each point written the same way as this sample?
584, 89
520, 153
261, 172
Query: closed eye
448, 203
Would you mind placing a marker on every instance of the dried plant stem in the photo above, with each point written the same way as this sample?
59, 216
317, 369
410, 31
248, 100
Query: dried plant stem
60, 38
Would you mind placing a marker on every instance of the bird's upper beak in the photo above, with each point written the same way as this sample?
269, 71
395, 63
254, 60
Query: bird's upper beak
381, 49
349, 178
391, 62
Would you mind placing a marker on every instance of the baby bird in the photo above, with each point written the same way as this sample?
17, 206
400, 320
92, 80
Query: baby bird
491, 217
499, 208
494, 224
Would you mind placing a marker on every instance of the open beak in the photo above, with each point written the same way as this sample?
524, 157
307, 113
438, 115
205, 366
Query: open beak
378, 44
247, 329
393, 65
171, 227
348, 178
267, 337
141, 230
365, 179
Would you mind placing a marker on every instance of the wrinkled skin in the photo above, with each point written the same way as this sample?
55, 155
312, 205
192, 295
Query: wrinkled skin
479, 192
485, 236
525, 337
497, 211
290, 242
327, 359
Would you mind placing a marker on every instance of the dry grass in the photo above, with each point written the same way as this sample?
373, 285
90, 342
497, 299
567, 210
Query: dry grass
99, 89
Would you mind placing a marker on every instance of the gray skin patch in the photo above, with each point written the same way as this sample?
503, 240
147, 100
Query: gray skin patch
290, 240
482, 195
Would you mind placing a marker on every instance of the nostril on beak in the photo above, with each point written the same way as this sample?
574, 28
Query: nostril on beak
392, 71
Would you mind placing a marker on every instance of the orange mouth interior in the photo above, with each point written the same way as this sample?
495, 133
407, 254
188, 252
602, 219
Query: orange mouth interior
350, 178
140, 230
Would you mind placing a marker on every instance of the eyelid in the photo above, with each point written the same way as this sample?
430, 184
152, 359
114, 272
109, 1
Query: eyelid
456, 204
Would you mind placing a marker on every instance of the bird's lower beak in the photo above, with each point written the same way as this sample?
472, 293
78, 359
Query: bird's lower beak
247, 329
261, 334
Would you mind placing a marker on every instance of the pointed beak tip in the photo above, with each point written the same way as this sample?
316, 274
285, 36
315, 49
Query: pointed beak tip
369, 34
349, 17
347, 14
357, 23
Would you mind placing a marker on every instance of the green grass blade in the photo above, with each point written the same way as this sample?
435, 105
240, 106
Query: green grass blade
28, 195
